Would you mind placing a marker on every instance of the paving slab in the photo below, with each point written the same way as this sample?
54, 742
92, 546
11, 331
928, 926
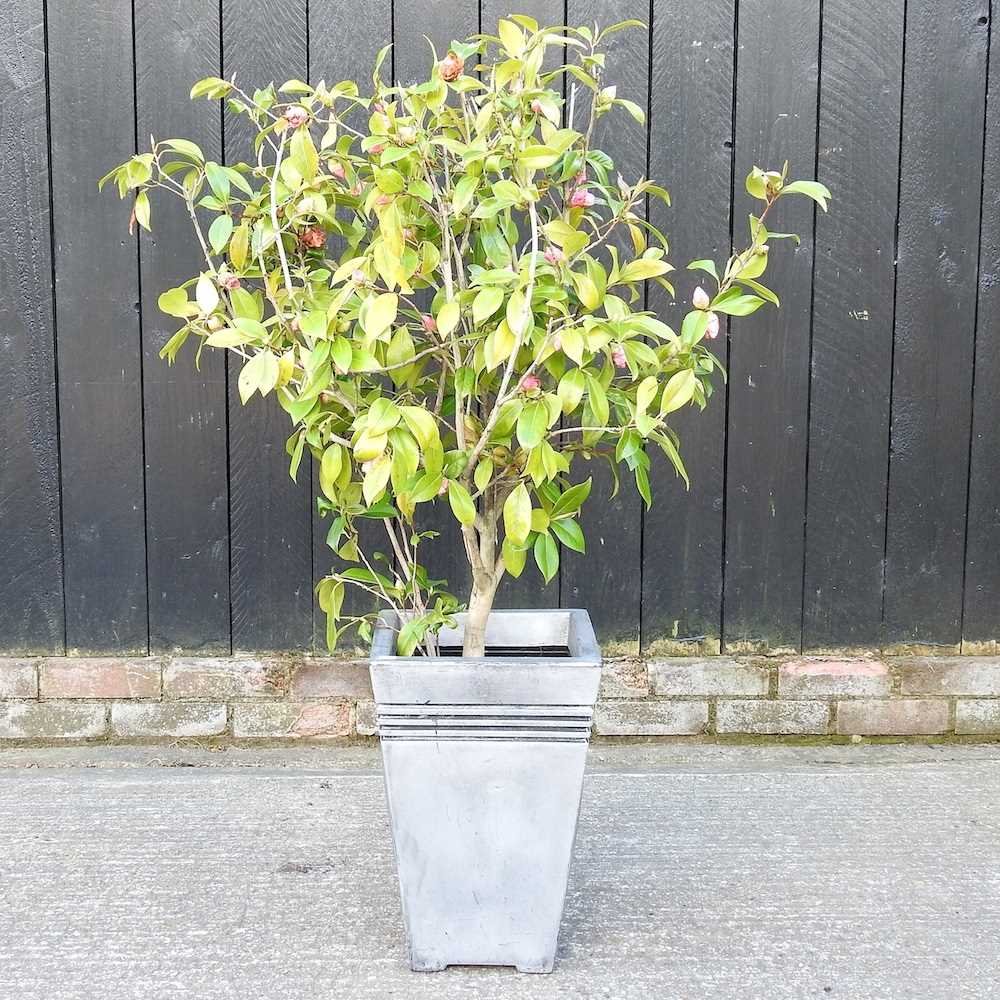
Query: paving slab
701, 872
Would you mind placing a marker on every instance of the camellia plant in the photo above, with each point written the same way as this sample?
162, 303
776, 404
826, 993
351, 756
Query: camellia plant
443, 286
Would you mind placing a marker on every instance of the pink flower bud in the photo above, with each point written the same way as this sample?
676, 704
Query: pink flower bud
407, 233
296, 115
618, 357
581, 199
407, 134
229, 282
536, 106
712, 330
700, 299
429, 323
554, 255
530, 383
378, 149
382, 200
338, 171
359, 277
557, 343
581, 178
356, 190
450, 68
378, 107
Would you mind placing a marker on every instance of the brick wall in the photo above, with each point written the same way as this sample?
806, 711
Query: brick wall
250, 699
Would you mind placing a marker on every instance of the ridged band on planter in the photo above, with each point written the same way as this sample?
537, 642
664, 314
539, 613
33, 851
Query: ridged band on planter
484, 761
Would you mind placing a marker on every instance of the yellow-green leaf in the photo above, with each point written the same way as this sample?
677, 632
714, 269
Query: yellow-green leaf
206, 294
329, 469
517, 515
678, 391
447, 318
462, 505
486, 303
380, 314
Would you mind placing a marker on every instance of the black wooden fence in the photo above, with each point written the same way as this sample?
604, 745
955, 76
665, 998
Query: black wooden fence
845, 489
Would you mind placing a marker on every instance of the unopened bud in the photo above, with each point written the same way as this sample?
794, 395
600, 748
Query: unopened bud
700, 299
712, 330
296, 115
450, 68
581, 198
618, 357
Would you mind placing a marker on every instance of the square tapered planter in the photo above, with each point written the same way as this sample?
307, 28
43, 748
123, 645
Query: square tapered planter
484, 761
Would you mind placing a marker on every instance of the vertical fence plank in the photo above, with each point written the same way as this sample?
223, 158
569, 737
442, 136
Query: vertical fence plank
31, 584
187, 495
529, 589
607, 581
334, 55
852, 323
100, 392
981, 623
690, 152
940, 187
270, 516
442, 21
769, 353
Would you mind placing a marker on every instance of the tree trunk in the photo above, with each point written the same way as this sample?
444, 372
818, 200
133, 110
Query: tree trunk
480, 605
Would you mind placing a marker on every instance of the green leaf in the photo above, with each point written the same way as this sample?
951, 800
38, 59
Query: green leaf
738, 305
517, 515
206, 294
532, 424
483, 473
380, 314
174, 302
219, 233
547, 556
141, 209
212, 87
570, 534
259, 374
330, 467
514, 558
641, 270
218, 180
447, 318
819, 193
633, 109
464, 190
571, 500
486, 303
186, 148
462, 505
678, 391
708, 266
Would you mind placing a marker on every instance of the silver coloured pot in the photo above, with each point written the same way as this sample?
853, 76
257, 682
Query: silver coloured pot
484, 761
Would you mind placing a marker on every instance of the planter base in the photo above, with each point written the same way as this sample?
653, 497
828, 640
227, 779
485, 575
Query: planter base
484, 763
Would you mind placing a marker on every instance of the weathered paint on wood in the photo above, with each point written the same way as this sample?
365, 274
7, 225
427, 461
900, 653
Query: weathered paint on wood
148, 557
939, 203
982, 548
92, 108
184, 407
31, 603
862, 62
270, 515
690, 152
769, 353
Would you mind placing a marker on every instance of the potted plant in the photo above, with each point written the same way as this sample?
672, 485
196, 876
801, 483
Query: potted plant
442, 284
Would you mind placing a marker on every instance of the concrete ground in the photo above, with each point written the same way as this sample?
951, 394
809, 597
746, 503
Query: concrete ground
730, 873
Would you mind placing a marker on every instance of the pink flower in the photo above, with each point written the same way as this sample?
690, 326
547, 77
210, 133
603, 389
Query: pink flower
450, 68
378, 149
712, 330
296, 115
356, 190
700, 299
581, 178
379, 107
554, 255
229, 282
581, 198
536, 106
359, 277
530, 383
429, 323
618, 357
338, 171
382, 200
407, 233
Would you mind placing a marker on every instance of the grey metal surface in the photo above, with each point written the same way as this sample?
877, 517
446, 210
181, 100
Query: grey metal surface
701, 873
484, 761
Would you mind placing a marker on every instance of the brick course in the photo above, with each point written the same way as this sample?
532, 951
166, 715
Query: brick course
256, 698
